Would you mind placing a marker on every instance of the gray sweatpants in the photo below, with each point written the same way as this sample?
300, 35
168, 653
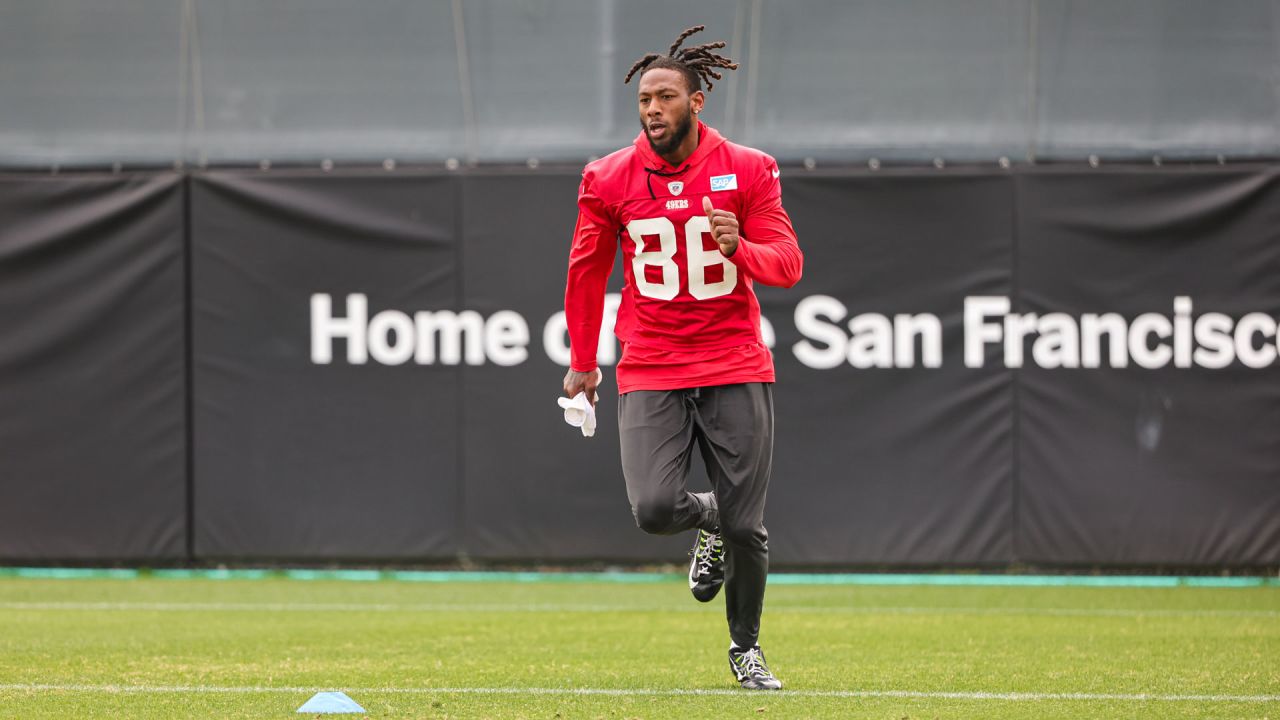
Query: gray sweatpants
733, 427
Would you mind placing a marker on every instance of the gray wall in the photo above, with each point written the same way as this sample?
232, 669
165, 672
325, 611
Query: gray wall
151, 82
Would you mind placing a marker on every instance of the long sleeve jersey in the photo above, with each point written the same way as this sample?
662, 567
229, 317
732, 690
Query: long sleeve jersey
689, 316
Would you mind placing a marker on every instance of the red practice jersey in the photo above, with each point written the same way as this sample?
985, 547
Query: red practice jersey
689, 316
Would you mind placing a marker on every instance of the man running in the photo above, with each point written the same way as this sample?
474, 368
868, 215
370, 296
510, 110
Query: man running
700, 220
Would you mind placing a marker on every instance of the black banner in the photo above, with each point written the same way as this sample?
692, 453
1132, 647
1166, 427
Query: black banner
888, 449
300, 456
93, 462
1170, 455
979, 368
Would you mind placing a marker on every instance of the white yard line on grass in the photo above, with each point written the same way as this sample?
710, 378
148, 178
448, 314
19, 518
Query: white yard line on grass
624, 692
604, 607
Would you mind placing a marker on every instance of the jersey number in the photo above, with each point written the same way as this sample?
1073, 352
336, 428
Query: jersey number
699, 259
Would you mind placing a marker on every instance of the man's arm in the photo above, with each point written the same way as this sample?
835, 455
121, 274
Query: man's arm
595, 242
763, 243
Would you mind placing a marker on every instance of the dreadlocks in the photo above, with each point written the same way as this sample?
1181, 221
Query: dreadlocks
697, 62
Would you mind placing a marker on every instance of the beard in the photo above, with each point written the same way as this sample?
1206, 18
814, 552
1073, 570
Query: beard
677, 131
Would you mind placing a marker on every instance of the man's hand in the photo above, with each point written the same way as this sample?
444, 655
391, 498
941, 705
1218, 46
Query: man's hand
724, 227
576, 382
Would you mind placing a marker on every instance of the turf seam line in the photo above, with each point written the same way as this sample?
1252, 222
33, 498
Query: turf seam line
904, 694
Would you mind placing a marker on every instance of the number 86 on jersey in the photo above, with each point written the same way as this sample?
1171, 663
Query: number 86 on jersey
697, 257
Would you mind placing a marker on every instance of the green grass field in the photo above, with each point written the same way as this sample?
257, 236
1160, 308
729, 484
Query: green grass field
162, 648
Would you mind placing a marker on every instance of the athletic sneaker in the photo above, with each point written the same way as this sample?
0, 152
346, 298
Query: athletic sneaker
706, 570
750, 669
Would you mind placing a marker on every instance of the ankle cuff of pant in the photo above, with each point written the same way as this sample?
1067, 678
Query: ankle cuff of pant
708, 513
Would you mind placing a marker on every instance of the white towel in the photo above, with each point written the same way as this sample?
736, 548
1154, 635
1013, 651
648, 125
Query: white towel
579, 412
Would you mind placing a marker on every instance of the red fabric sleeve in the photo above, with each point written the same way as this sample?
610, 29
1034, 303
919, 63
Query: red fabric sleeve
767, 248
595, 242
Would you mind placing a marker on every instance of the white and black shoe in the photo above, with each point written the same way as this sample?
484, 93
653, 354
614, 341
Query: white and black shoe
751, 670
706, 569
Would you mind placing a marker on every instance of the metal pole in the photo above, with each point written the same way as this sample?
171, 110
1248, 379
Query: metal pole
608, 59
197, 86
731, 95
1033, 79
464, 81
753, 73
184, 74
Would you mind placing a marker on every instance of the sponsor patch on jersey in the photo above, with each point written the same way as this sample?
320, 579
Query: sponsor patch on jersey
675, 187
680, 204
724, 182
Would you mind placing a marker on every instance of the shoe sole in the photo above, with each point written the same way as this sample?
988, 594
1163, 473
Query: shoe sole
707, 598
745, 686
698, 595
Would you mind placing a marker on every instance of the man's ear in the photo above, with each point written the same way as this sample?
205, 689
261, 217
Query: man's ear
698, 99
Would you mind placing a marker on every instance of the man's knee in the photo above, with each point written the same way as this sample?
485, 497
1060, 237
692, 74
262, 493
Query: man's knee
655, 516
744, 536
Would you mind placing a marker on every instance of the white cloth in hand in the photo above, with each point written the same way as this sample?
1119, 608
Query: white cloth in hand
580, 413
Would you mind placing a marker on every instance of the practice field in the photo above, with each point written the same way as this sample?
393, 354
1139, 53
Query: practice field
240, 648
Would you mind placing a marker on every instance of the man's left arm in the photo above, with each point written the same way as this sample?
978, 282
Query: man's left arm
762, 243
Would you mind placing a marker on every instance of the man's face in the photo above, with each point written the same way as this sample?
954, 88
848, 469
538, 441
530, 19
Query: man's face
666, 108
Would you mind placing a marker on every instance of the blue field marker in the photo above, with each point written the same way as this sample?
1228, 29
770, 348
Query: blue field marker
330, 702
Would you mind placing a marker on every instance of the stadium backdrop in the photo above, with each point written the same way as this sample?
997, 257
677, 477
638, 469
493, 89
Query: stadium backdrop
980, 367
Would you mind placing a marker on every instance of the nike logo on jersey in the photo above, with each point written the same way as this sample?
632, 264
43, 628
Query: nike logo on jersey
776, 173
724, 182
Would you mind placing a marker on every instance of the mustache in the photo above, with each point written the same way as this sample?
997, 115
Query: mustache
677, 130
